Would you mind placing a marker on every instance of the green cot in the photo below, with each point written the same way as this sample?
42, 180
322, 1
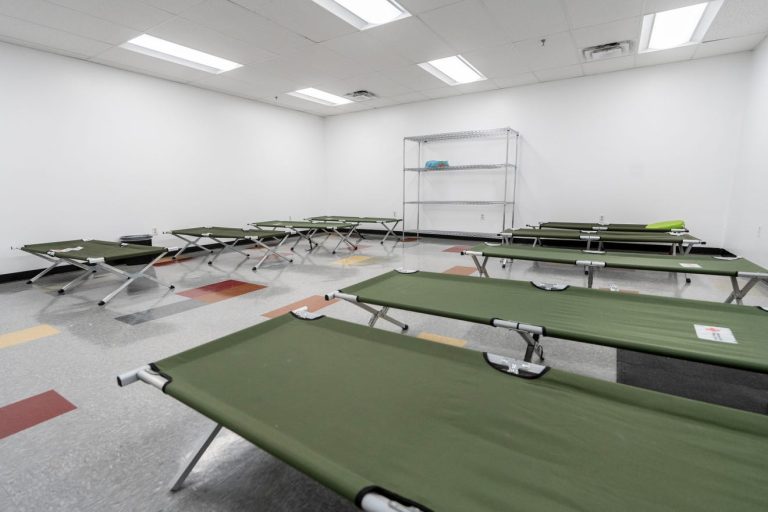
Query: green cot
398, 424
220, 234
663, 326
388, 223
731, 267
676, 240
308, 230
91, 256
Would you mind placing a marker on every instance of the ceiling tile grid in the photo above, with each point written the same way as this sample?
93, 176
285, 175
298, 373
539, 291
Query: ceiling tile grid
285, 45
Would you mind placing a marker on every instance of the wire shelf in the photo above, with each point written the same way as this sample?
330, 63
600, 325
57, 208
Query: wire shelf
473, 167
473, 134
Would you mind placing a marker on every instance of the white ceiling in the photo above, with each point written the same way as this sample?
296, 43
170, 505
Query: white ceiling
286, 45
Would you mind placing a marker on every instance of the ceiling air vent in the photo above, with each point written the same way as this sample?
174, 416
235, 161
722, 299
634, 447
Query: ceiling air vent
360, 95
607, 51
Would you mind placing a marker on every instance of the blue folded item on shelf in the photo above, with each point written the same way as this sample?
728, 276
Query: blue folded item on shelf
436, 164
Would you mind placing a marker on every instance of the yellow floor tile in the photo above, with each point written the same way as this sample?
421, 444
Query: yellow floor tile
25, 335
352, 260
445, 340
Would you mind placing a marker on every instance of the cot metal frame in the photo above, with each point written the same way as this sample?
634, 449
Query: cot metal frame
390, 230
256, 241
531, 334
682, 247
601, 227
590, 267
370, 502
91, 267
309, 234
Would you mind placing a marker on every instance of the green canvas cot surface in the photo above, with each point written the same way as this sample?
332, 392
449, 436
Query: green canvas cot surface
604, 236
352, 218
657, 325
696, 264
223, 232
298, 224
588, 226
82, 250
355, 407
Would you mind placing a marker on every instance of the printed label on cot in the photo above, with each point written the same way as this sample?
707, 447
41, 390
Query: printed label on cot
690, 265
712, 333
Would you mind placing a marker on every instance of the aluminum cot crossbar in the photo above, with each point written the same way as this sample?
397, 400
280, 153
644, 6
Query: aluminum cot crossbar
678, 241
731, 267
388, 223
596, 226
708, 332
219, 234
398, 424
306, 230
92, 255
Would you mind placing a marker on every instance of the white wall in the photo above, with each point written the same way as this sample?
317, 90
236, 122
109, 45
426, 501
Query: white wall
635, 146
91, 151
748, 219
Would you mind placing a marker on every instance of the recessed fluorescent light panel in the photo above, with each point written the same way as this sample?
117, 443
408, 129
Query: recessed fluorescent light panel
172, 52
365, 14
453, 70
318, 96
678, 27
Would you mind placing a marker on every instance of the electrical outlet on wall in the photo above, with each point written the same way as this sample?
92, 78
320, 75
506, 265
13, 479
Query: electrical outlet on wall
482, 216
154, 231
759, 231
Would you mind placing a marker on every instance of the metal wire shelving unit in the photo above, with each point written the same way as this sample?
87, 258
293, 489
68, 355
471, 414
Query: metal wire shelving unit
507, 165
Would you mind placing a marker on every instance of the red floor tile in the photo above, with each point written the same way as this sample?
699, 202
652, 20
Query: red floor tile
32, 411
211, 288
458, 248
460, 271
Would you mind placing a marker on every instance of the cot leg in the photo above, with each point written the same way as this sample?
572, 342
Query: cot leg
739, 293
55, 264
344, 239
270, 252
227, 247
179, 480
481, 268
380, 314
312, 244
188, 243
78, 280
590, 277
390, 230
131, 277
534, 347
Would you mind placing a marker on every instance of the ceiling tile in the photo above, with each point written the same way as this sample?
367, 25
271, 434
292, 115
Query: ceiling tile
558, 51
267, 79
548, 75
223, 83
173, 6
608, 65
517, 80
188, 33
733, 45
419, 6
317, 63
739, 18
665, 56
240, 23
483, 85
19, 31
68, 20
652, 6
526, 19
414, 78
128, 13
465, 26
412, 39
301, 16
410, 97
361, 46
378, 83
504, 60
584, 13
623, 30
441, 92
133, 61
